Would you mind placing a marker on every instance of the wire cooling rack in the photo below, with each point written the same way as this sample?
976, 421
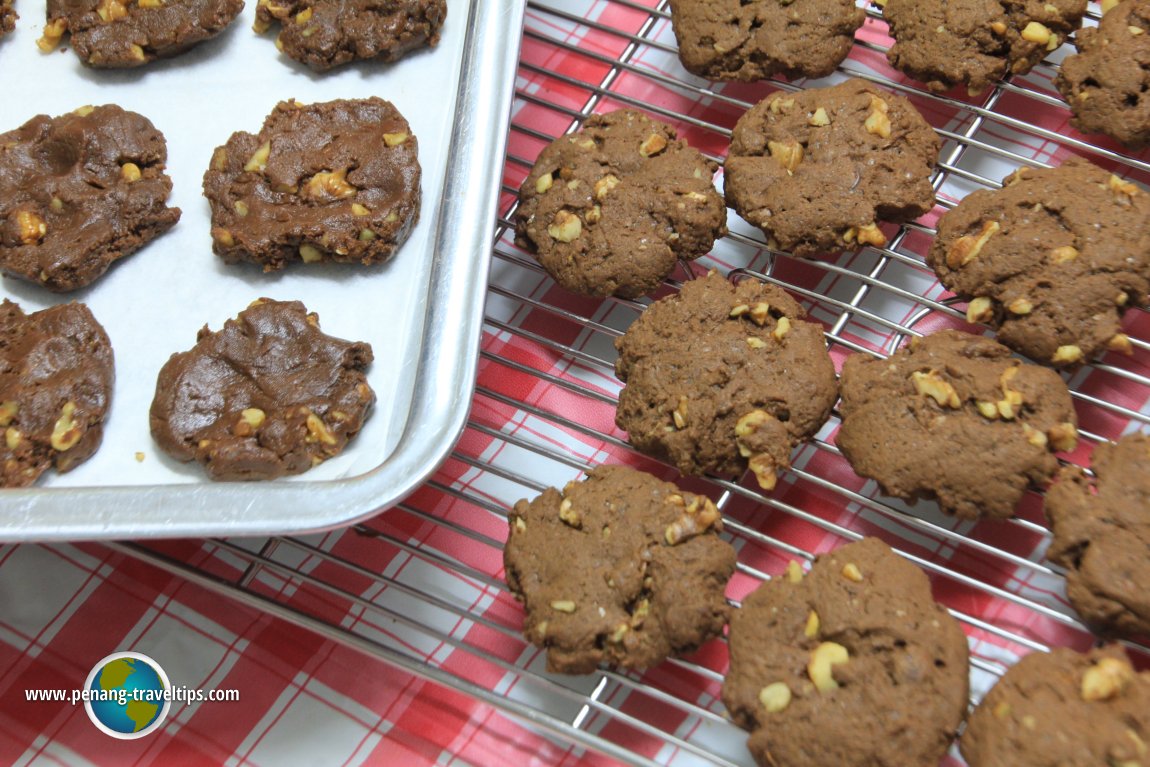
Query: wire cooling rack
420, 585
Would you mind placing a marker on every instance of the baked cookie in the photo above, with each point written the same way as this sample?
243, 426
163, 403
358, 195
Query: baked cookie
621, 568
8, 17
328, 33
78, 192
1063, 709
818, 170
611, 209
56, 375
1106, 82
1101, 534
851, 664
116, 34
757, 39
954, 417
1051, 260
721, 378
944, 43
267, 395
333, 181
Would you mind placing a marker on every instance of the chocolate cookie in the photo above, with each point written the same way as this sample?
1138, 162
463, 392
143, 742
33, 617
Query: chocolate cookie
954, 417
944, 43
328, 33
8, 17
621, 568
1063, 709
267, 395
611, 209
757, 39
56, 375
1102, 533
817, 170
721, 378
852, 664
115, 34
1051, 260
78, 192
1106, 82
333, 181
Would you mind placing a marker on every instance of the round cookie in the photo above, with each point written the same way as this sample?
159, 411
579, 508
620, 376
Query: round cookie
78, 192
621, 568
817, 170
265, 396
954, 417
8, 17
757, 39
329, 33
1106, 82
1051, 260
1101, 533
56, 376
1063, 709
333, 181
852, 664
721, 378
611, 209
944, 43
117, 34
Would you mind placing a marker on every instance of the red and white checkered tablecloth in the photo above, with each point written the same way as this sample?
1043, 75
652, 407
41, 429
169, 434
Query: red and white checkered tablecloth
308, 700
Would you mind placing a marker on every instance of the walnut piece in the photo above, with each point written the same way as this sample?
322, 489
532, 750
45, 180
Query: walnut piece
823, 658
329, 185
66, 433
775, 697
1106, 679
966, 249
565, 227
30, 227
698, 516
259, 159
877, 122
931, 384
653, 145
8, 411
787, 153
981, 309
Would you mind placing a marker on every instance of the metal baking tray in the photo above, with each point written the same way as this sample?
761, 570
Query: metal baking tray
422, 312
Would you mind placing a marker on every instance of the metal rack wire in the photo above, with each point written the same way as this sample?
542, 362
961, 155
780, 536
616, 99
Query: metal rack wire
544, 405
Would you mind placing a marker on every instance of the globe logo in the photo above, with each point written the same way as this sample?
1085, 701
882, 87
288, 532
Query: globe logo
127, 695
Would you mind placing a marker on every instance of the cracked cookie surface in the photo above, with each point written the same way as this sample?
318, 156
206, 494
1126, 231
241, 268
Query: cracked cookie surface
621, 568
1063, 709
1101, 530
335, 181
741, 40
1051, 260
267, 395
610, 209
955, 417
818, 170
850, 664
976, 43
329, 33
56, 376
79, 192
721, 378
1107, 83
117, 34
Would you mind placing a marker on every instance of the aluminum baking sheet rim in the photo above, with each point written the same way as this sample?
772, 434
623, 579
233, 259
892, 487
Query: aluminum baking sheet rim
446, 367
